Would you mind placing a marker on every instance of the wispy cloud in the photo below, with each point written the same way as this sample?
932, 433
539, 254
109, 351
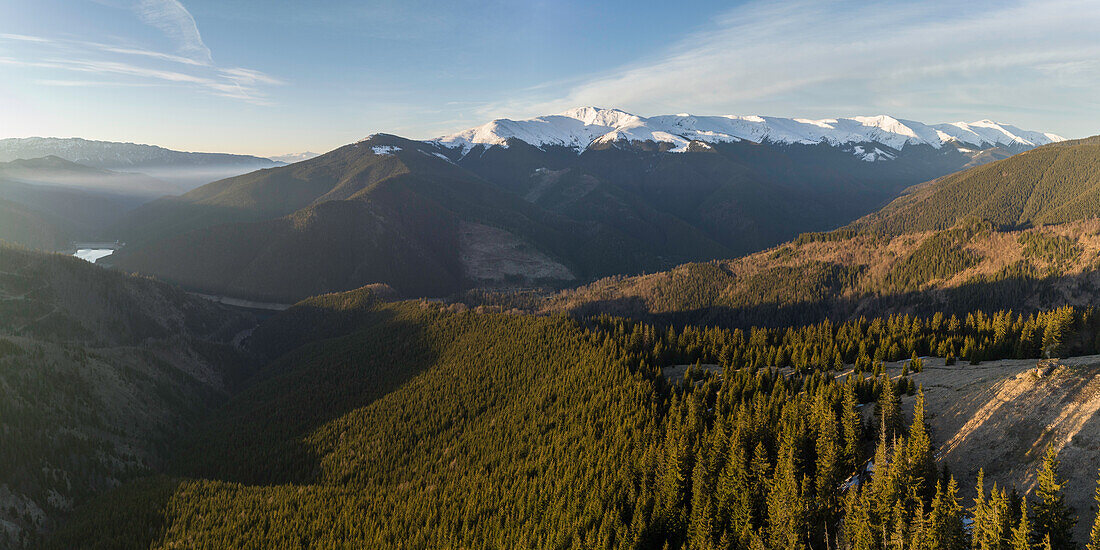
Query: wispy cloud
118, 64
171, 18
146, 53
827, 57
23, 38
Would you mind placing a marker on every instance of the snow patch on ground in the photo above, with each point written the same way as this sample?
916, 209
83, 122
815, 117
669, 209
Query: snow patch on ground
385, 149
93, 254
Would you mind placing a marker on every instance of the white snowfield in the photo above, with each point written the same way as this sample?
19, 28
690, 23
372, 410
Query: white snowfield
385, 149
93, 254
583, 127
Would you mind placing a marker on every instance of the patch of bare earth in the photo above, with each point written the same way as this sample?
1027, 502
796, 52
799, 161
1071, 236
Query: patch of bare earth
1001, 416
492, 254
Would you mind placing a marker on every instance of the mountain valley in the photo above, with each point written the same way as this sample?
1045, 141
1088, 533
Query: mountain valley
637, 205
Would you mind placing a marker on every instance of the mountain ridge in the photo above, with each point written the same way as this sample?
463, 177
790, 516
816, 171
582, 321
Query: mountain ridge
583, 127
86, 150
186, 170
558, 217
1022, 230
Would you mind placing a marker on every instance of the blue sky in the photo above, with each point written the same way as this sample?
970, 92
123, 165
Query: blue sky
280, 76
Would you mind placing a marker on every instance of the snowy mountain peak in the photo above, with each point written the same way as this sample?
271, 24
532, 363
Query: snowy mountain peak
582, 127
595, 116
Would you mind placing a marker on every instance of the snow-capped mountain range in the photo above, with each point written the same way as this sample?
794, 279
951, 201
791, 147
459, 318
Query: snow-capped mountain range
584, 127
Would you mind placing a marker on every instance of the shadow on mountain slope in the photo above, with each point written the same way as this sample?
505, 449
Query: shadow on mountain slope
1017, 293
260, 437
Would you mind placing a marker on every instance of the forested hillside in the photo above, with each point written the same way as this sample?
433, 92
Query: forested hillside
1053, 184
424, 425
387, 210
99, 373
964, 242
22, 226
433, 220
47, 203
844, 274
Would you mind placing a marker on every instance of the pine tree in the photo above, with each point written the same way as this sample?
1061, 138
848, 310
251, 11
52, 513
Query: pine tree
1053, 518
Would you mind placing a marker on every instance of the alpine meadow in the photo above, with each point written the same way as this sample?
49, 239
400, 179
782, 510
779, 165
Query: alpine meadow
508, 304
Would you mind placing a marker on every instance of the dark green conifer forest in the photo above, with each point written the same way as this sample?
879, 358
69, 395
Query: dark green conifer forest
422, 425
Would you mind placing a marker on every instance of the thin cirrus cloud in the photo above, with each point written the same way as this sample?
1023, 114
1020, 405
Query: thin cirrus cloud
191, 64
932, 59
171, 18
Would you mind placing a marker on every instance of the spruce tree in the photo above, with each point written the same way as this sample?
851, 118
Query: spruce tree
979, 513
733, 496
882, 494
888, 408
1053, 518
946, 529
672, 485
852, 426
916, 364
828, 463
918, 528
786, 506
702, 522
899, 527
922, 468
1021, 535
758, 483
858, 533
993, 531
